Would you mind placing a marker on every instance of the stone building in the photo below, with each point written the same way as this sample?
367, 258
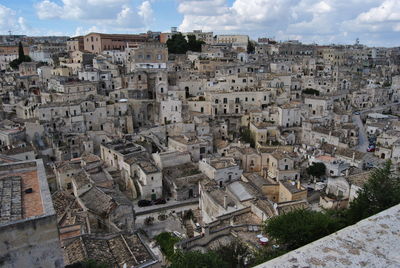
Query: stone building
28, 223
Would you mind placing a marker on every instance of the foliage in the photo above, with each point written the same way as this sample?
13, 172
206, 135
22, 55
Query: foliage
196, 259
149, 221
265, 255
166, 241
194, 45
311, 91
235, 254
21, 57
381, 191
300, 227
188, 215
21, 53
179, 45
316, 169
251, 47
248, 137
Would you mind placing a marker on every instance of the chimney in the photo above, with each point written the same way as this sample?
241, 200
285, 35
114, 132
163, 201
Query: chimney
298, 184
225, 201
354, 156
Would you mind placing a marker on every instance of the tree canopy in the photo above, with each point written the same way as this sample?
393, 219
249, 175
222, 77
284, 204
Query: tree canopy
316, 169
166, 241
311, 91
21, 57
179, 45
300, 227
380, 192
235, 254
251, 47
247, 136
196, 259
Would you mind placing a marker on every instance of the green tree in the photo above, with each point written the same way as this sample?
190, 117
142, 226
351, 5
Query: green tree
166, 241
248, 137
235, 254
380, 192
21, 54
193, 44
316, 169
196, 259
300, 227
21, 57
177, 44
251, 47
311, 91
266, 254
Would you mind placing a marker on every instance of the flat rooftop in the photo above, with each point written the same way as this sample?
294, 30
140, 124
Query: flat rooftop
24, 192
220, 163
124, 148
181, 171
372, 242
188, 140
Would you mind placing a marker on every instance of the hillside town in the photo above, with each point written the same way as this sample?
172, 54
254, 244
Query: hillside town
108, 141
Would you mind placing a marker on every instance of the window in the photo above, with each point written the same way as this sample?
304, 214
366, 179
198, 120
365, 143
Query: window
69, 185
216, 102
225, 100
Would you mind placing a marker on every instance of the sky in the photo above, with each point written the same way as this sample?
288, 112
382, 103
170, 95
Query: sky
374, 22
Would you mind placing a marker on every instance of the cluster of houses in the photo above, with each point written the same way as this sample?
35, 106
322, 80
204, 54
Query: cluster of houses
115, 119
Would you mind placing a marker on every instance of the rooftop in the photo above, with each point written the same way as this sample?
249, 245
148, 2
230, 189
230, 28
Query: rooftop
188, 140
115, 250
124, 148
182, 171
220, 163
241, 190
292, 186
24, 192
145, 164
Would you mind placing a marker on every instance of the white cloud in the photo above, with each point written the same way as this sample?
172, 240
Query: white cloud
9, 21
389, 10
113, 15
146, 12
49, 10
309, 20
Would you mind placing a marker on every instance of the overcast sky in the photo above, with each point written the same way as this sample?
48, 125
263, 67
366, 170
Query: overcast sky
374, 22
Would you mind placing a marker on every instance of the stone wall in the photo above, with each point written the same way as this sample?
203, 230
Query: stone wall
31, 243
